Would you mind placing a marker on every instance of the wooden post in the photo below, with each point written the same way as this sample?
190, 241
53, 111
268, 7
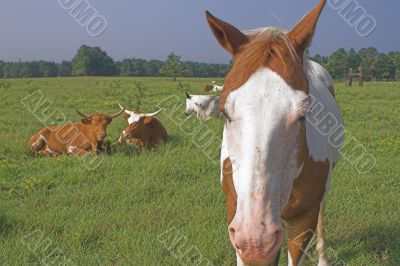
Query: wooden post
361, 77
350, 82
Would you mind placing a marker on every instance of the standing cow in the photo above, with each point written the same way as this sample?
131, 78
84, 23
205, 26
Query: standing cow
144, 130
79, 138
205, 106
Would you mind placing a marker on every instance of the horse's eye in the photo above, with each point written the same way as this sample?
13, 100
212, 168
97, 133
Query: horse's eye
302, 119
226, 117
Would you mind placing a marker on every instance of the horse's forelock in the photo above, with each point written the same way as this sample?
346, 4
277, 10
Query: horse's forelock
253, 55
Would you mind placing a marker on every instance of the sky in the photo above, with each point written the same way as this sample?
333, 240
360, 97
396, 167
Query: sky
151, 29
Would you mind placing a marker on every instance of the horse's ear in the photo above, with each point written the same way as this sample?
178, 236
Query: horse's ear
227, 35
303, 32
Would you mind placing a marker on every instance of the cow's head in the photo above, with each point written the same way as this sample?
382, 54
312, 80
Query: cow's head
138, 122
195, 103
204, 106
191, 107
99, 122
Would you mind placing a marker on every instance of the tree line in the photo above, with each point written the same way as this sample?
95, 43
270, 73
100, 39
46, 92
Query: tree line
377, 66
92, 61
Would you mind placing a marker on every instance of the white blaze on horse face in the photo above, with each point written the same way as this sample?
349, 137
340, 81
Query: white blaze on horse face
264, 139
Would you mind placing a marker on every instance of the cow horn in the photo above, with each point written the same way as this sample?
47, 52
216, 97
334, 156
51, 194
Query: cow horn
118, 114
81, 114
153, 114
120, 106
126, 111
188, 96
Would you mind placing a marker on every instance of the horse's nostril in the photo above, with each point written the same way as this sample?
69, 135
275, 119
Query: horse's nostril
232, 232
232, 236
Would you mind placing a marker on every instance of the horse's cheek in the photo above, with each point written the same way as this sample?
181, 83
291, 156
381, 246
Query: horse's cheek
229, 189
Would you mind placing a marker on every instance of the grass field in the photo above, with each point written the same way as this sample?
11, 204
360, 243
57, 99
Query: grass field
166, 207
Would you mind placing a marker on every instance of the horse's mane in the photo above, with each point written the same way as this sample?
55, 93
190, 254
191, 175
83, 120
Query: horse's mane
264, 42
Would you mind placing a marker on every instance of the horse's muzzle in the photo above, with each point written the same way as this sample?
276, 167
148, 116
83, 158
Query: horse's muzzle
257, 247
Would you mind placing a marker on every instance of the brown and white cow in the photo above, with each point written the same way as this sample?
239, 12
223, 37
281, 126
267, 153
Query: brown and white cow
79, 138
144, 130
282, 138
213, 88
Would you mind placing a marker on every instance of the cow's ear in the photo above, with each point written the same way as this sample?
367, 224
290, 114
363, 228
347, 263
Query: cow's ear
227, 35
126, 117
86, 121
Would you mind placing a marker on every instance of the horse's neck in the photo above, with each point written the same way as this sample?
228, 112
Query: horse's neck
324, 110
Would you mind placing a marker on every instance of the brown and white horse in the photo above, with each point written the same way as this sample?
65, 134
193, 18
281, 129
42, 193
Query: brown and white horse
276, 162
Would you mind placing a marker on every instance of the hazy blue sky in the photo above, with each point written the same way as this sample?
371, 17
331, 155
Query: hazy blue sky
150, 29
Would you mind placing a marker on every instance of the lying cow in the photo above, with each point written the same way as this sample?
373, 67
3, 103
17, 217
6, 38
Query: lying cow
205, 106
144, 130
79, 138
213, 88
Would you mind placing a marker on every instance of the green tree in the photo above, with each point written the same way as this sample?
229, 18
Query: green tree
65, 69
92, 61
395, 58
48, 69
384, 68
173, 67
338, 64
318, 58
368, 57
1, 69
125, 68
28, 69
6, 70
353, 59
152, 68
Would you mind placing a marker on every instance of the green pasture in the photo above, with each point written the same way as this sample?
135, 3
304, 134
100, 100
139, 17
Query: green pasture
165, 207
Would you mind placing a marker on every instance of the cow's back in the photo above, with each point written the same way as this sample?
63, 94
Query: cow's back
153, 134
59, 139
158, 131
47, 139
